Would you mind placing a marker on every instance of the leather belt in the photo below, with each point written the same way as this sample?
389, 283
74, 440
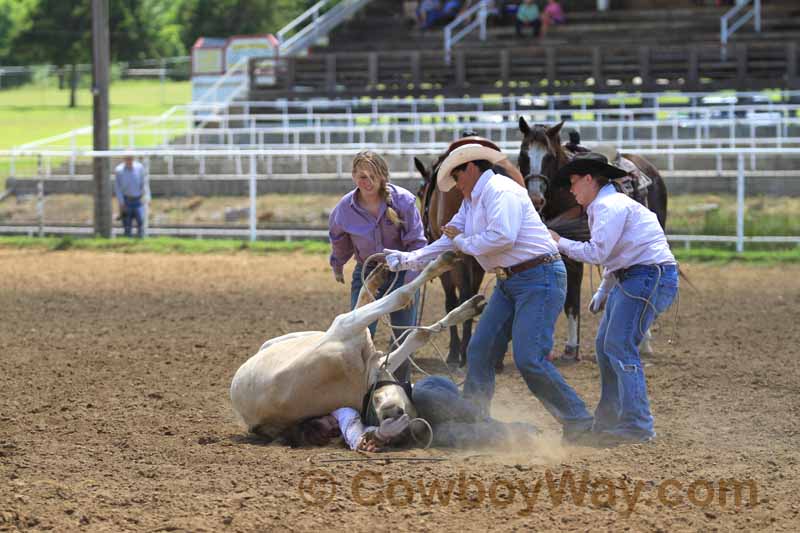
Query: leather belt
506, 272
622, 273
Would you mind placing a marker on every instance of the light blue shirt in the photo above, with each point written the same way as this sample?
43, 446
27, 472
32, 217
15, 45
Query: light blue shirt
131, 182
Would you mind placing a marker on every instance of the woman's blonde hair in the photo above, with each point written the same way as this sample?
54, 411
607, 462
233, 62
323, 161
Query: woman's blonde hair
378, 169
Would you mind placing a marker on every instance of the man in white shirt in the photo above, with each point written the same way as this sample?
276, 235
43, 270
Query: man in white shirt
639, 283
498, 225
133, 192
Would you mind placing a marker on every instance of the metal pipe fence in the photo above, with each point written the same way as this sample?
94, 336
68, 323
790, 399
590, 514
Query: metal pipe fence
254, 175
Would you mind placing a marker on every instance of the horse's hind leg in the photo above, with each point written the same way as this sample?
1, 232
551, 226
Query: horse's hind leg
473, 276
372, 284
358, 319
450, 303
419, 337
572, 309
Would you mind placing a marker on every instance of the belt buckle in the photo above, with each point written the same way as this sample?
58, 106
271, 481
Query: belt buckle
501, 273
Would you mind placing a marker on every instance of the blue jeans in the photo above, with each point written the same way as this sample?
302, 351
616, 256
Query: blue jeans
133, 211
457, 422
624, 409
525, 308
403, 317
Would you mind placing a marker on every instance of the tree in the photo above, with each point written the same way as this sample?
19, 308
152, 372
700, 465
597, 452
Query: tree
59, 32
223, 18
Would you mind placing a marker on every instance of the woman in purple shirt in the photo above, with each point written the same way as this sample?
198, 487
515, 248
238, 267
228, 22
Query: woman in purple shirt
374, 216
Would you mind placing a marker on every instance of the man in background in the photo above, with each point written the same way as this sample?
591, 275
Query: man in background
133, 193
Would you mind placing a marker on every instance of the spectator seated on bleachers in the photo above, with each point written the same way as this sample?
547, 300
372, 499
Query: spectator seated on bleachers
553, 14
450, 10
429, 13
410, 11
528, 16
508, 11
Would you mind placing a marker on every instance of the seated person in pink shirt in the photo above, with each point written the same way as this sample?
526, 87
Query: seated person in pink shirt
553, 14
374, 216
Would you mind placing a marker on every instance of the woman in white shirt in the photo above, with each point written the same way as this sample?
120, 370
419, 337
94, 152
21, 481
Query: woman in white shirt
640, 282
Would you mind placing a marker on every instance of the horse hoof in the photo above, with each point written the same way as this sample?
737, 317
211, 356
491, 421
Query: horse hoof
571, 351
499, 367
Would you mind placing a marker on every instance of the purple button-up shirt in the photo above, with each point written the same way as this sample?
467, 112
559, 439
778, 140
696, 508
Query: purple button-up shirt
354, 231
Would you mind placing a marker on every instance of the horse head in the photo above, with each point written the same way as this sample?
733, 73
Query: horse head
540, 151
540, 156
386, 399
538, 186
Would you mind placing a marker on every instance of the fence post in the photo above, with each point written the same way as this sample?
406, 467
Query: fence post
148, 200
740, 204
252, 198
40, 206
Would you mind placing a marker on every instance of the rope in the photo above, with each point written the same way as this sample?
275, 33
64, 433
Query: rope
430, 433
395, 341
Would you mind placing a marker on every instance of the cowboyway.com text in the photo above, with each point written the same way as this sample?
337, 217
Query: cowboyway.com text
526, 493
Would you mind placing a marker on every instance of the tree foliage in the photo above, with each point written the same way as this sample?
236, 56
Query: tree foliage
59, 31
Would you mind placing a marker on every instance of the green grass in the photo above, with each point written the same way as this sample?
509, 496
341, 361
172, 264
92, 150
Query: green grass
165, 245
712, 214
170, 245
37, 111
721, 256
33, 112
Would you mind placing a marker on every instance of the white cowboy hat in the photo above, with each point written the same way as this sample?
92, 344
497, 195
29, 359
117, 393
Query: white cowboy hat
459, 156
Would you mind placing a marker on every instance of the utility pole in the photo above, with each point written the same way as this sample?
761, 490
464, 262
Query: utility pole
100, 60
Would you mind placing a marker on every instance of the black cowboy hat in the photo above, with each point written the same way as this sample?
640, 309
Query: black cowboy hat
589, 163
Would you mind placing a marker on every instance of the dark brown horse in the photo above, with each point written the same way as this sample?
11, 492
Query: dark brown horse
438, 208
541, 155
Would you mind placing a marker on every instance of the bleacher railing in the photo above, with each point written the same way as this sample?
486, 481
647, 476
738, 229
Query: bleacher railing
470, 19
316, 22
728, 23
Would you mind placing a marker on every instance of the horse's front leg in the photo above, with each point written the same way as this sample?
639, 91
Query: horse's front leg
352, 323
572, 308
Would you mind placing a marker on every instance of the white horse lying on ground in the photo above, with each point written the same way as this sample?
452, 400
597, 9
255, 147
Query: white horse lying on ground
312, 373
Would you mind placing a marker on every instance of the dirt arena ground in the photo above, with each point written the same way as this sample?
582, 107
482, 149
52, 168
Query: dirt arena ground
114, 411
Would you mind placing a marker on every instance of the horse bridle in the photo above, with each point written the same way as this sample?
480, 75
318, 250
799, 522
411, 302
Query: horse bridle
368, 414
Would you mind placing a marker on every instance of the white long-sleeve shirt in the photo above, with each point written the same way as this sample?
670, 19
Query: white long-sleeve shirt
624, 233
350, 425
499, 226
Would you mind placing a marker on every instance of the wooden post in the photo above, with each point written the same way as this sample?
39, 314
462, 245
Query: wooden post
372, 66
415, 65
100, 59
791, 62
644, 66
505, 67
291, 68
692, 75
551, 65
330, 72
741, 66
461, 71
597, 68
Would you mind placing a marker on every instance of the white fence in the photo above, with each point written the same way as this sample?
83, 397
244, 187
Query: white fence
247, 164
737, 126
617, 109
